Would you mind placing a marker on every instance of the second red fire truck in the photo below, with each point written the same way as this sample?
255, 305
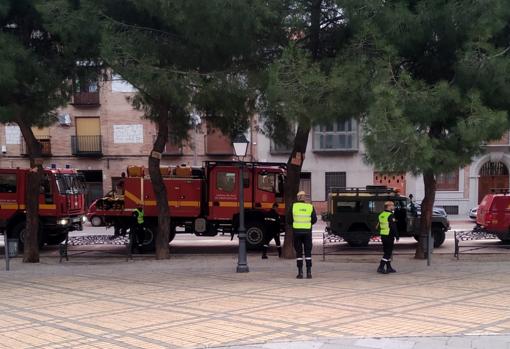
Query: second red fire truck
61, 204
204, 201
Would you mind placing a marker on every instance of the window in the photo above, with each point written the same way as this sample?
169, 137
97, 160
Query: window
375, 206
266, 182
335, 180
338, 136
226, 181
8, 183
348, 206
448, 181
305, 184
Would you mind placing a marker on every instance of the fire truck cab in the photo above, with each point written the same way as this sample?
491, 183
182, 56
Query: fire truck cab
61, 204
263, 185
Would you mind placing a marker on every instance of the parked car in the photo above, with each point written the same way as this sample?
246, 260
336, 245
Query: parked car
493, 216
436, 210
472, 213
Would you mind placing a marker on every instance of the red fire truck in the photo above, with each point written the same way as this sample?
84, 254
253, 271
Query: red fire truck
204, 201
61, 204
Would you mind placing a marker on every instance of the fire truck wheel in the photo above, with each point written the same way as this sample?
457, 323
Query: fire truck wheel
19, 231
254, 235
96, 221
149, 243
171, 235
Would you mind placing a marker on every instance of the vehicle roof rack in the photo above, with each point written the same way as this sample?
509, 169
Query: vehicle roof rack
369, 189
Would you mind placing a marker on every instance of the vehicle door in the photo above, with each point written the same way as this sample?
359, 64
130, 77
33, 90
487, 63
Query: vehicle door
11, 193
224, 191
267, 190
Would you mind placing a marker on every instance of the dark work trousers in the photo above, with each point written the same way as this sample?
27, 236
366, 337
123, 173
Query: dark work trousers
303, 238
270, 235
388, 242
138, 234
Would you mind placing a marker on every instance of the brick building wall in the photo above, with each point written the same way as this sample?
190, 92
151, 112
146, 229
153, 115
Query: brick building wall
126, 139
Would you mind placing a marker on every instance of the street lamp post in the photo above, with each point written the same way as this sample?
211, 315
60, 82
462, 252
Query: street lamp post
240, 144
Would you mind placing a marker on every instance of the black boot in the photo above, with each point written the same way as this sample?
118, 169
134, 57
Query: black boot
381, 268
264, 252
308, 268
300, 269
279, 252
389, 269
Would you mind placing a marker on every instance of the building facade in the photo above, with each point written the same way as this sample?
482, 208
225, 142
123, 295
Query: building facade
335, 158
101, 134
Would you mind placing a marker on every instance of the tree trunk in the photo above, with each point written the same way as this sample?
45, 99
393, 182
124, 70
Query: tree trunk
315, 27
163, 232
427, 205
31, 238
294, 166
297, 156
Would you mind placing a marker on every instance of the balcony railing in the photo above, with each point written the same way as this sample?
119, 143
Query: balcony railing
86, 99
45, 146
86, 145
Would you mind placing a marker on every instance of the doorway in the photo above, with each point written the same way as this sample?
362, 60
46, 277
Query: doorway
493, 176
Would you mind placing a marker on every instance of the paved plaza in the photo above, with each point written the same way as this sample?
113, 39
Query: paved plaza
197, 300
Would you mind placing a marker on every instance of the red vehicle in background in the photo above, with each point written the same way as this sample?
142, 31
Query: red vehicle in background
493, 215
204, 201
61, 204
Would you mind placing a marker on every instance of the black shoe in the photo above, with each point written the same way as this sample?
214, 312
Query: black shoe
264, 256
308, 274
279, 252
389, 269
299, 275
382, 270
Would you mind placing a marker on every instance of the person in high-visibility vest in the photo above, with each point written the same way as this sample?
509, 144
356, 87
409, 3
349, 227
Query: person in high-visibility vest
388, 231
302, 218
138, 227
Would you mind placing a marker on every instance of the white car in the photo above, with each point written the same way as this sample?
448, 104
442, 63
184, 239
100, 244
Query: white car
472, 212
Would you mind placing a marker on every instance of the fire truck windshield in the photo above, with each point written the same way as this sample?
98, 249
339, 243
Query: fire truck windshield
70, 184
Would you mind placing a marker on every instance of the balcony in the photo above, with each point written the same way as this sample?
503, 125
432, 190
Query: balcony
87, 146
86, 99
45, 146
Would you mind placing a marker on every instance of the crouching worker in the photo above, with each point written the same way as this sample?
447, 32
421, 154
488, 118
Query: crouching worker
388, 230
272, 231
137, 228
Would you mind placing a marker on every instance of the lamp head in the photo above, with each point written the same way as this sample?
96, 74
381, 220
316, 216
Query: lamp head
240, 144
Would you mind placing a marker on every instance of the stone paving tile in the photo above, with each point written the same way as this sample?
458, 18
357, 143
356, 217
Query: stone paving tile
201, 302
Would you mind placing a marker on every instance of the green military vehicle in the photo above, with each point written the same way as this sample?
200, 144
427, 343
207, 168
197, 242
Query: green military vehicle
353, 214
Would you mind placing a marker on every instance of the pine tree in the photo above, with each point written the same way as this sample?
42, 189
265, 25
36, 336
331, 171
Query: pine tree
36, 64
184, 56
319, 78
442, 90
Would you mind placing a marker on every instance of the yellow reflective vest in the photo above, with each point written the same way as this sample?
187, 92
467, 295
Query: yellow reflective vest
139, 216
384, 223
302, 215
